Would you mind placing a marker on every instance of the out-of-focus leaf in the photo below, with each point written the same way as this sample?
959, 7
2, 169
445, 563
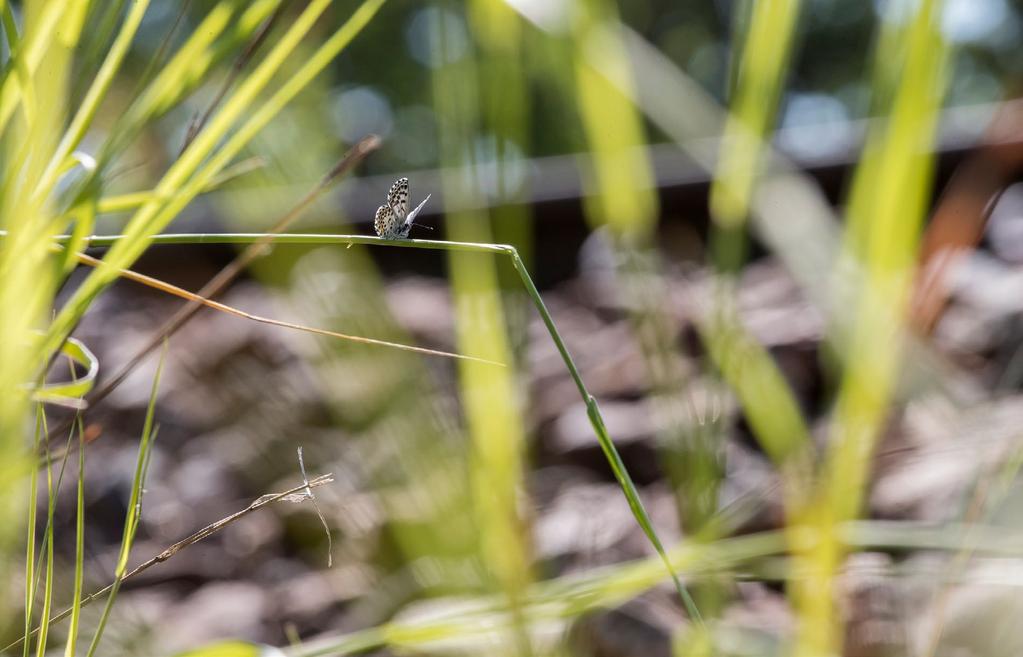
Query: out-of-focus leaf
71, 392
232, 649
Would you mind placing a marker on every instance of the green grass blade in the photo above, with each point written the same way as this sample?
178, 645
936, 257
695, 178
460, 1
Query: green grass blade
607, 445
33, 585
73, 21
504, 85
771, 410
134, 505
101, 25
228, 649
887, 205
593, 412
219, 32
622, 176
31, 49
30, 532
28, 276
572, 595
9, 30
496, 456
76, 605
94, 96
475, 623
135, 200
79, 385
10, 26
749, 370
626, 203
760, 77
44, 624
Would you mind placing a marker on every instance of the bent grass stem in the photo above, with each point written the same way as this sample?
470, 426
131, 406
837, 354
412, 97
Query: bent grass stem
592, 409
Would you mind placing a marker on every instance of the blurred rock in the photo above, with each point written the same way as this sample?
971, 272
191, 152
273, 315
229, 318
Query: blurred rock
947, 449
217, 610
976, 614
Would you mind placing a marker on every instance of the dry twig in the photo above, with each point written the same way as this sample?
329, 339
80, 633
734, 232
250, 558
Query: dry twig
298, 493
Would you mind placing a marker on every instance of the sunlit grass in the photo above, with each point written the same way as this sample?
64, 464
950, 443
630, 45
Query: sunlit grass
39, 138
614, 82
888, 202
492, 403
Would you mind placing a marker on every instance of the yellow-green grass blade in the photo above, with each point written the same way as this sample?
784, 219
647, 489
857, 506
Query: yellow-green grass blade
226, 26
28, 268
41, 21
78, 387
472, 623
570, 596
44, 625
887, 206
603, 437
94, 96
134, 511
38, 568
30, 532
10, 34
505, 99
622, 179
70, 31
218, 34
767, 401
133, 200
82, 217
76, 604
229, 649
469, 623
770, 408
491, 400
17, 65
761, 73
788, 208
625, 199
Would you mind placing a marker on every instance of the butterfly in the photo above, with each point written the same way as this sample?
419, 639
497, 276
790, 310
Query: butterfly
394, 220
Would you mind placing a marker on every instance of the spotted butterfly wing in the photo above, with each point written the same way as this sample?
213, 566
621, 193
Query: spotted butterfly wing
386, 223
397, 198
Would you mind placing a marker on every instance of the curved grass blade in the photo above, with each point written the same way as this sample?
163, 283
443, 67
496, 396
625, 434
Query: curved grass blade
71, 392
592, 409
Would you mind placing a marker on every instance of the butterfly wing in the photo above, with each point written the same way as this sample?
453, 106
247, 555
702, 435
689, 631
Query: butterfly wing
397, 198
411, 218
386, 223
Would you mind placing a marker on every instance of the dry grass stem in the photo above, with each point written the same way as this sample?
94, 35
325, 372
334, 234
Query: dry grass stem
296, 494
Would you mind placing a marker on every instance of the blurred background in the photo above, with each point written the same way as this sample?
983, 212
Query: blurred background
780, 239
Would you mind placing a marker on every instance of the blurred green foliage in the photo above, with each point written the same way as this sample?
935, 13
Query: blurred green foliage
477, 90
